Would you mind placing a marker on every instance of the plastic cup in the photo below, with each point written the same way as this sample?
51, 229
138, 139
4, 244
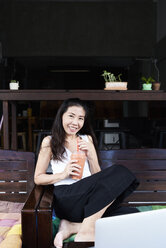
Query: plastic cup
81, 157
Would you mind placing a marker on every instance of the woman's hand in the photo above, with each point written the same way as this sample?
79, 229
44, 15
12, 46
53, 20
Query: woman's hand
87, 147
72, 169
90, 152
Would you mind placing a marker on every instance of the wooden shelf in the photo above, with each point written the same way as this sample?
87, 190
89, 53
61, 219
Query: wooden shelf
53, 95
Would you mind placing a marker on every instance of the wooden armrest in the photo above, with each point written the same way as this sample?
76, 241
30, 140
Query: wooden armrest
78, 245
29, 224
44, 218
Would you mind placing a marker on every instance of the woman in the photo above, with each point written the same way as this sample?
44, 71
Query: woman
79, 203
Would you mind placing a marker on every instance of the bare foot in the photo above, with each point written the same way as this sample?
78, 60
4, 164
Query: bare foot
66, 229
88, 235
58, 241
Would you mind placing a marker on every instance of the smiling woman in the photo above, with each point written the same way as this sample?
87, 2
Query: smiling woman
73, 120
97, 193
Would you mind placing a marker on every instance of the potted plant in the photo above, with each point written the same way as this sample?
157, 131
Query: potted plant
147, 83
14, 85
113, 82
156, 85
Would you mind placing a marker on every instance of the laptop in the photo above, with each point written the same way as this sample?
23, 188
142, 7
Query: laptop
137, 230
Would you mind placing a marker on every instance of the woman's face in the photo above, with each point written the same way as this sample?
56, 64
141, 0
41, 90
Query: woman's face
73, 119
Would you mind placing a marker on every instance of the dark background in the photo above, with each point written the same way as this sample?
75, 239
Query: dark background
66, 44
40, 40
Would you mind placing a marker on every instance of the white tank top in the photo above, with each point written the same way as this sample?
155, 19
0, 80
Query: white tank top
59, 166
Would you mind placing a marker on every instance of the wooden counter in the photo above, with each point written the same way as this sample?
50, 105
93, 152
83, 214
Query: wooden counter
40, 95
12, 97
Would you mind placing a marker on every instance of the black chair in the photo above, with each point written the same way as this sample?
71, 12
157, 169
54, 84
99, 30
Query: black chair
122, 135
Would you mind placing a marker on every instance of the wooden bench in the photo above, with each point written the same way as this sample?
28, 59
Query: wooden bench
149, 165
16, 184
16, 175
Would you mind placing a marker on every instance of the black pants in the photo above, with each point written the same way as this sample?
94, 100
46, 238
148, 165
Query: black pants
89, 195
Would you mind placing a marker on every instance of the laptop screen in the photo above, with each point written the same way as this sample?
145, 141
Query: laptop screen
137, 230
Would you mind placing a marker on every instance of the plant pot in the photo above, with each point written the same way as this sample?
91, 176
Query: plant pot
147, 86
156, 86
13, 86
115, 86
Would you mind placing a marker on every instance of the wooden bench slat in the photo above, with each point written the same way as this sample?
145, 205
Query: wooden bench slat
135, 164
152, 185
147, 197
12, 165
16, 155
13, 186
13, 197
155, 175
13, 175
137, 154
144, 164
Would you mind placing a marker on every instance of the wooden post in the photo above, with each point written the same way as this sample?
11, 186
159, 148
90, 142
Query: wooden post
6, 125
14, 127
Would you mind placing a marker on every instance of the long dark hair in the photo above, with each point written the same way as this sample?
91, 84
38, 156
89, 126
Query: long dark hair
58, 132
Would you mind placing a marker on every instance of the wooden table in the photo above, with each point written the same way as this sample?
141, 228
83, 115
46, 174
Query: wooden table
12, 97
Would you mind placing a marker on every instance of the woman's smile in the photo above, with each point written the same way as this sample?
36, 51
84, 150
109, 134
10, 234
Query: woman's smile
73, 129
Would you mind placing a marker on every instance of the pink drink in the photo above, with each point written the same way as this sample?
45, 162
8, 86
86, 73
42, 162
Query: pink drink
81, 157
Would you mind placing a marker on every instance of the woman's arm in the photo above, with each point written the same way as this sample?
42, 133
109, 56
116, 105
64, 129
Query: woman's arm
44, 157
45, 154
90, 150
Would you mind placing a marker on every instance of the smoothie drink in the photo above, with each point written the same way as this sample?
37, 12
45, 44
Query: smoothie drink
81, 157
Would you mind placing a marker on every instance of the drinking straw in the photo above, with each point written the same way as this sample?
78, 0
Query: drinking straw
77, 145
